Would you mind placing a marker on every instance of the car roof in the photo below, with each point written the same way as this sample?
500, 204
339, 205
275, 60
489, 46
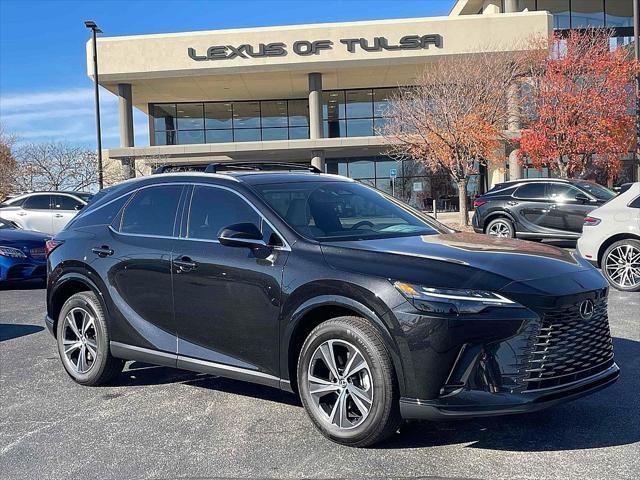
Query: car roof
534, 180
249, 177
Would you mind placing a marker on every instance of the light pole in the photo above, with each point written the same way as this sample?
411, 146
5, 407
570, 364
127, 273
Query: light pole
94, 31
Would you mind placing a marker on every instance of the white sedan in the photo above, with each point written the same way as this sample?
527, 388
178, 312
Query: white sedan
611, 239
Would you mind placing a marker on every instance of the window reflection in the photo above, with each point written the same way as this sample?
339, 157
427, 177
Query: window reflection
218, 115
619, 13
190, 116
587, 13
560, 11
246, 115
274, 113
359, 103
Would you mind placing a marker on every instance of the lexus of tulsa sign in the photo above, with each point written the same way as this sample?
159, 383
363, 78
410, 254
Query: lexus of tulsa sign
305, 47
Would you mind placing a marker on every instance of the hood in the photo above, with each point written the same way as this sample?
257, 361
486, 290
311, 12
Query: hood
13, 237
457, 260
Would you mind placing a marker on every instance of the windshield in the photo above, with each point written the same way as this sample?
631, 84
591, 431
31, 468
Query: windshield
331, 211
598, 191
84, 196
6, 224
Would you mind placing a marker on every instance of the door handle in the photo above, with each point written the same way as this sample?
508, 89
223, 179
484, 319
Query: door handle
58, 215
103, 251
185, 264
512, 202
22, 214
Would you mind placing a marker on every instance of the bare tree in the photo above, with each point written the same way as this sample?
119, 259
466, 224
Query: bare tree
453, 119
55, 166
8, 163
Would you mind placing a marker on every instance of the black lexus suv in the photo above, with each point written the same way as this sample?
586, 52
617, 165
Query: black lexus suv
538, 209
368, 310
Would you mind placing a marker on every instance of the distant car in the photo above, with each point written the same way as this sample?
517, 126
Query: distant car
22, 253
611, 239
537, 209
47, 212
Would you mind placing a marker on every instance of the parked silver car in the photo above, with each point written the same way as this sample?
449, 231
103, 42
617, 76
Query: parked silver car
46, 212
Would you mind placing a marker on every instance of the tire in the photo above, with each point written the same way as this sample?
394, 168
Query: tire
501, 227
90, 337
350, 338
621, 265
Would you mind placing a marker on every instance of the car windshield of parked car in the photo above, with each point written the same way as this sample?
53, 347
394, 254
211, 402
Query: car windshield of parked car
598, 191
6, 224
332, 211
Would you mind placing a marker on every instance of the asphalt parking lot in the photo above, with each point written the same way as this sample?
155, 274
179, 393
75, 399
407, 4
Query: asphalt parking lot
161, 423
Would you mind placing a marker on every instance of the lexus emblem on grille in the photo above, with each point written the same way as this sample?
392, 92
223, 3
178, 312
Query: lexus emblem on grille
586, 309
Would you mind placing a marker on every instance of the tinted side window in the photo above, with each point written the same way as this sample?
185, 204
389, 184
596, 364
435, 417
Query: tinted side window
531, 190
635, 203
562, 193
152, 211
64, 202
102, 215
213, 209
37, 202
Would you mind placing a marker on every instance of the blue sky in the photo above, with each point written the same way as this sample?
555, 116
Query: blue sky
45, 93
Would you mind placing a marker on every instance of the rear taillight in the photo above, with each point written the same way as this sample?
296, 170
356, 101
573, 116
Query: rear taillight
591, 221
478, 203
51, 245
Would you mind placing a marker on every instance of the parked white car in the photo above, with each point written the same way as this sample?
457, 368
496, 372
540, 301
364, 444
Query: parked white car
611, 239
46, 212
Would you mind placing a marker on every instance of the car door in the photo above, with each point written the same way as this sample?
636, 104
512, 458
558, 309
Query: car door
569, 207
36, 214
64, 207
227, 300
530, 205
135, 258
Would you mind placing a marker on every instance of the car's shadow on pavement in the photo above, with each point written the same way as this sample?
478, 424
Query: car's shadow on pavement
607, 418
9, 331
24, 285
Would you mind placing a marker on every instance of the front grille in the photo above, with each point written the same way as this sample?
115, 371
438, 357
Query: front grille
569, 348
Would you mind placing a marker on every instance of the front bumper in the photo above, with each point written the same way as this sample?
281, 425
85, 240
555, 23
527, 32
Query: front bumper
467, 404
19, 270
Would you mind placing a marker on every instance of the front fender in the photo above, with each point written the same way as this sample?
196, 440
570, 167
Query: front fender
364, 304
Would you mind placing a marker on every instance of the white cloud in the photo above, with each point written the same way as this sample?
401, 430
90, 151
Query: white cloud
66, 115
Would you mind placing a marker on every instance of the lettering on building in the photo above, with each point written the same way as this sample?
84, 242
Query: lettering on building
316, 47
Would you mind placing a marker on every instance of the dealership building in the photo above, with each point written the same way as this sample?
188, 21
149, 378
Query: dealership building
315, 93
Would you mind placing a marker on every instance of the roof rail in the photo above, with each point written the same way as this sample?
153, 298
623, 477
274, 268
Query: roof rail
238, 166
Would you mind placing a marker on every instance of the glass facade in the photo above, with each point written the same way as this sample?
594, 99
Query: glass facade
413, 183
219, 122
345, 113
569, 14
355, 113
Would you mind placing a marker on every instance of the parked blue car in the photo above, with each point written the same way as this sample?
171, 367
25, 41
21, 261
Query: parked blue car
22, 253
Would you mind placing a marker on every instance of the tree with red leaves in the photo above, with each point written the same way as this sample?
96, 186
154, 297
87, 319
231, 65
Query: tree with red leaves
580, 100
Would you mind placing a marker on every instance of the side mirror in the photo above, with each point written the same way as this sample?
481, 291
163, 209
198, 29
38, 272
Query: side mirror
77, 208
242, 235
582, 198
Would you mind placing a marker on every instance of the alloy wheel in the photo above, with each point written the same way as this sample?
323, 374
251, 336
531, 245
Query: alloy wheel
622, 266
340, 383
79, 340
500, 230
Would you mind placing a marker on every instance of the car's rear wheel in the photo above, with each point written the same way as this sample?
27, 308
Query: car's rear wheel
501, 228
83, 341
621, 265
347, 382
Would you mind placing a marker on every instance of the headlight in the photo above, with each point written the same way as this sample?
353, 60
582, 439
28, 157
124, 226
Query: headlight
11, 252
449, 300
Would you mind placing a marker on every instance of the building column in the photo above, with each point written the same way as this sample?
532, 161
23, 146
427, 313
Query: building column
315, 117
513, 125
125, 110
511, 6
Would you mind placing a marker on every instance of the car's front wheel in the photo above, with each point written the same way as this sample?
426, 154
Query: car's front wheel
621, 265
501, 228
347, 382
83, 341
